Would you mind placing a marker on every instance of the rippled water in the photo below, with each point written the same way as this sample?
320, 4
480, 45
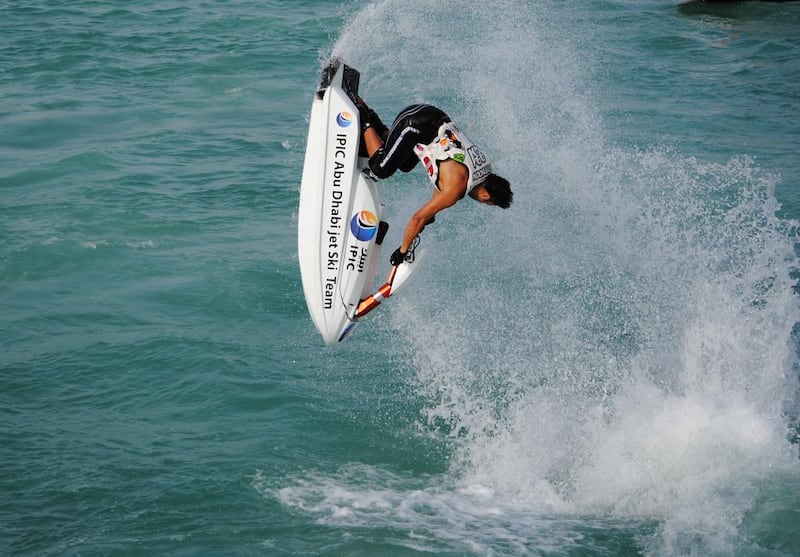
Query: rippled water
607, 368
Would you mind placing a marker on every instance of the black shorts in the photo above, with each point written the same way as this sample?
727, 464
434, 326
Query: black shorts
419, 123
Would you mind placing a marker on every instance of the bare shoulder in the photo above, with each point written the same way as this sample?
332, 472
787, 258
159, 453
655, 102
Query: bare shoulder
453, 178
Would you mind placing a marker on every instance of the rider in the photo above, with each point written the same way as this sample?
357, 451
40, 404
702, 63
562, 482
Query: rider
455, 165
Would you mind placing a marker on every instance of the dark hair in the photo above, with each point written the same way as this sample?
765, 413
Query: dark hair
499, 190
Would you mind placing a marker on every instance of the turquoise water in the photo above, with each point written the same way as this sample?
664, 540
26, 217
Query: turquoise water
607, 368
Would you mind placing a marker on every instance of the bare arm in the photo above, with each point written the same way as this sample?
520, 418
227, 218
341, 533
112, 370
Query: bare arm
452, 185
417, 221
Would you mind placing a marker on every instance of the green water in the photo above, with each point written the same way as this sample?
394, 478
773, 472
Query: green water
607, 368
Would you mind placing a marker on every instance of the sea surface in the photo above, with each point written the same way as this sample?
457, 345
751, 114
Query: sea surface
608, 368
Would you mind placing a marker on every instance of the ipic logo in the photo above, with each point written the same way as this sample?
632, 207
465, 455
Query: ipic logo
364, 225
344, 119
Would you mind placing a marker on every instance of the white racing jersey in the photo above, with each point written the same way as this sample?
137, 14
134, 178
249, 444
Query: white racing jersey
451, 143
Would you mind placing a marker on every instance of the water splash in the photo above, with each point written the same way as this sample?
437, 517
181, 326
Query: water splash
621, 345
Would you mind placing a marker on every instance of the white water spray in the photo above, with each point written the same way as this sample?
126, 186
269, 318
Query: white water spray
620, 344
